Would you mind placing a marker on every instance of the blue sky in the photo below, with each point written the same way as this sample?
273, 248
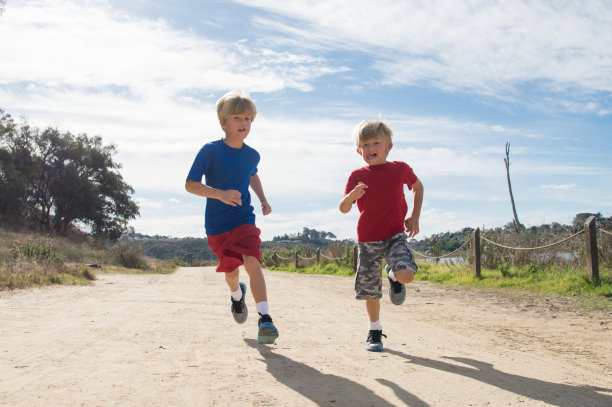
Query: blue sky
455, 81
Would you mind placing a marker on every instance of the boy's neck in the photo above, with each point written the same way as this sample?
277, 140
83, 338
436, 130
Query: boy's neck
379, 164
233, 143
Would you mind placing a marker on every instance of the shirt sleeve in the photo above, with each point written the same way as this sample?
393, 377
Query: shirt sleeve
409, 176
201, 164
351, 183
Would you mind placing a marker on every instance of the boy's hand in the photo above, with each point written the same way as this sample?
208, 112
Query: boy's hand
412, 226
358, 191
265, 208
231, 197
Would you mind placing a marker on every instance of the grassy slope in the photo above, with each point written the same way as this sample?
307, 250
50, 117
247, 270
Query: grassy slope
30, 259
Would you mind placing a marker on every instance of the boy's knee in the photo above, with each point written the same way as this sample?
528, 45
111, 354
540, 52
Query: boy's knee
404, 276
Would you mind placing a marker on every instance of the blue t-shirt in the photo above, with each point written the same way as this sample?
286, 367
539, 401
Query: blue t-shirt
225, 168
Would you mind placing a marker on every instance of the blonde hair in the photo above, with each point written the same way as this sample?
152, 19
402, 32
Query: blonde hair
235, 102
369, 129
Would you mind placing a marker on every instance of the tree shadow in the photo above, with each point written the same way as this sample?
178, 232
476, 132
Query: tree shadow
557, 394
323, 389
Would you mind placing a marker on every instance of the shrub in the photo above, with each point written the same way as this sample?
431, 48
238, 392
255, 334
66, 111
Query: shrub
130, 255
504, 269
34, 251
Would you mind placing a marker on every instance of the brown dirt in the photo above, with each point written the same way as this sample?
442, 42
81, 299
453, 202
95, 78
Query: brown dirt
169, 340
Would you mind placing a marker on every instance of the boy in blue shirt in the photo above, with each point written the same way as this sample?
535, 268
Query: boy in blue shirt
230, 168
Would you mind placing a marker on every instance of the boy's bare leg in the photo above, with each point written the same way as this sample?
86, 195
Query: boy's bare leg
256, 277
373, 308
233, 279
404, 276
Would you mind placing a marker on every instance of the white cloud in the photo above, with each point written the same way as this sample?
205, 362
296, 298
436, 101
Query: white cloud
491, 48
564, 187
95, 49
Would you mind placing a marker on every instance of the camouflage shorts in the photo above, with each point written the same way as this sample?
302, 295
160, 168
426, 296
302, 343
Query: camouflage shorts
368, 279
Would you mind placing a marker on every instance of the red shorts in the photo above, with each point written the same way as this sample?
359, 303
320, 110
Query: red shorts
230, 246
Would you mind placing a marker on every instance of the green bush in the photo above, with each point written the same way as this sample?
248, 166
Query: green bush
34, 251
130, 255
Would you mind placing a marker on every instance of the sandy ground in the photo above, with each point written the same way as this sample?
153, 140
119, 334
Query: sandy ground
169, 340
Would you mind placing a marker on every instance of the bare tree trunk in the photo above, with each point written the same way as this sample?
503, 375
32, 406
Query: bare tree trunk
517, 224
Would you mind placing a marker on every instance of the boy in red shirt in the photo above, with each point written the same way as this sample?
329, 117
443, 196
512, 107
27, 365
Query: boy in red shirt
382, 228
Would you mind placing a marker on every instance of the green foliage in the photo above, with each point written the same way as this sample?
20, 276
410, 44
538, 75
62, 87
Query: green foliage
306, 236
55, 180
166, 248
561, 280
504, 269
30, 250
130, 255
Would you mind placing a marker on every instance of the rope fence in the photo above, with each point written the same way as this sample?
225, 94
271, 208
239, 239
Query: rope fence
317, 256
532, 248
444, 255
590, 245
590, 252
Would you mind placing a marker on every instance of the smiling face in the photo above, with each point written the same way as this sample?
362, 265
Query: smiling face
374, 150
236, 128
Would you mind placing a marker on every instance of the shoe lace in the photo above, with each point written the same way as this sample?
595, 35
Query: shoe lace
396, 286
375, 336
237, 306
265, 318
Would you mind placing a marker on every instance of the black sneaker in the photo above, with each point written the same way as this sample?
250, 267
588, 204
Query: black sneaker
239, 308
267, 331
374, 341
397, 290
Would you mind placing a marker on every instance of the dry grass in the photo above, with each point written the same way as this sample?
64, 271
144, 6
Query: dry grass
29, 259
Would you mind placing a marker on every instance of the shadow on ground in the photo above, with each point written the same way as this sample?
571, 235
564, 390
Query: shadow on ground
323, 389
556, 394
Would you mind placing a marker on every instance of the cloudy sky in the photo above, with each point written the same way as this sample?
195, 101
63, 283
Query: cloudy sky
455, 80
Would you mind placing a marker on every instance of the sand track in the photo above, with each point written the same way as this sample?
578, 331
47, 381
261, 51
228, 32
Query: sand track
169, 340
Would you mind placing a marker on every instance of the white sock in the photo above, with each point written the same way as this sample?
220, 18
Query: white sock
237, 295
391, 275
262, 307
375, 326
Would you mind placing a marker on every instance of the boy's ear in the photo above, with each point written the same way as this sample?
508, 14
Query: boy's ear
359, 150
389, 147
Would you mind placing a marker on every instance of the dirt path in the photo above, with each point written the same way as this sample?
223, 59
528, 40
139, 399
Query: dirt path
153, 340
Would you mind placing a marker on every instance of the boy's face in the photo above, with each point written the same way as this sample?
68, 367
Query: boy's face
237, 126
374, 151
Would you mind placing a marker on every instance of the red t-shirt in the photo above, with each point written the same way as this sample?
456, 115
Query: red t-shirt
383, 208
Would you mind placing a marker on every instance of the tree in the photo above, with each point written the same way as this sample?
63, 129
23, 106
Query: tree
517, 225
67, 180
13, 184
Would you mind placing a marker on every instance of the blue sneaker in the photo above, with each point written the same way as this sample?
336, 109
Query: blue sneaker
239, 308
374, 341
267, 331
397, 290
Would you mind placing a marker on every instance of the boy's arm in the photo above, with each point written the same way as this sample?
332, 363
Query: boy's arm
347, 202
412, 223
230, 196
256, 186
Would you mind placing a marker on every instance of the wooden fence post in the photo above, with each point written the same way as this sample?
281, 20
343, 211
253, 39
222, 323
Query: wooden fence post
275, 258
296, 259
318, 255
355, 258
476, 245
590, 248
